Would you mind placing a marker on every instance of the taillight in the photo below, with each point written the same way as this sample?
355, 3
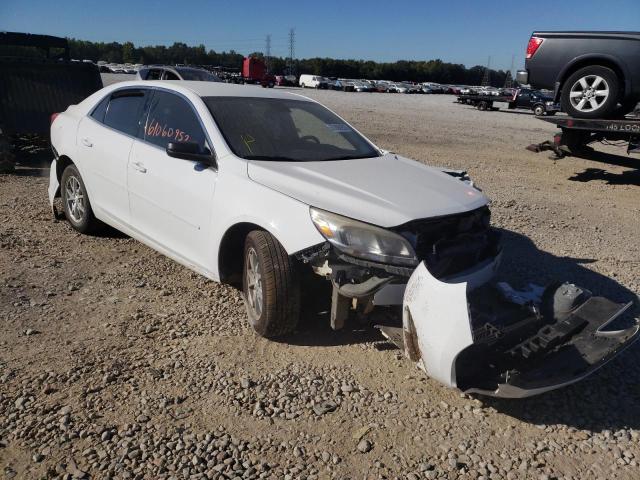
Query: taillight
54, 116
534, 45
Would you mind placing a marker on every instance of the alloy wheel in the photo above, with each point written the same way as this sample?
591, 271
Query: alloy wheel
589, 93
75, 199
254, 282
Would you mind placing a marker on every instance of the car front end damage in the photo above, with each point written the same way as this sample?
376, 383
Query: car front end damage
369, 266
461, 329
500, 342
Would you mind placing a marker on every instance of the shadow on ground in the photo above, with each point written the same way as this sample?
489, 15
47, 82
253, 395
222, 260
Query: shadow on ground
629, 177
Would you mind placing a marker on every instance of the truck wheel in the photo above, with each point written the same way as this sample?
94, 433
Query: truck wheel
75, 201
271, 286
538, 110
591, 92
303, 85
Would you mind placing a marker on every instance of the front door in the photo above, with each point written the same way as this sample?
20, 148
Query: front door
171, 199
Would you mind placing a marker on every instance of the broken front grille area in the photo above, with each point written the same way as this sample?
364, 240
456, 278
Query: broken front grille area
454, 243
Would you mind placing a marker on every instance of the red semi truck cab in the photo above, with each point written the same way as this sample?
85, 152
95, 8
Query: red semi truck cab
255, 71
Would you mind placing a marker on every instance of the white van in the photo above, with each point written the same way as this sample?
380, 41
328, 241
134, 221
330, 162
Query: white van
312, 81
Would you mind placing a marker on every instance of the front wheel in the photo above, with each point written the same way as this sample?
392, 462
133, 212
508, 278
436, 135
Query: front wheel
538, 110
77, 207
591, 92
271, 286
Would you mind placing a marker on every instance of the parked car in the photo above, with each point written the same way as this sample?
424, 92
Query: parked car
167, 144
343, 85
275, 194
402, 88
534, 100
165, 72
467, 91
592, 74
312, 81
360, 86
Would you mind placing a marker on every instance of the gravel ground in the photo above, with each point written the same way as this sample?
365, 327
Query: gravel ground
116, 362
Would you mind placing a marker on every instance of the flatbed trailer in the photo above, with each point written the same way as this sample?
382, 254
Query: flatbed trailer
485, 102
577, 133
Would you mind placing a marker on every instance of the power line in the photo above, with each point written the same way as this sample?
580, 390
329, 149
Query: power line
485, 77
267, 51
292, 49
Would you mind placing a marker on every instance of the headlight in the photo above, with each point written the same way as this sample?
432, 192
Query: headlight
549, 103
363, 240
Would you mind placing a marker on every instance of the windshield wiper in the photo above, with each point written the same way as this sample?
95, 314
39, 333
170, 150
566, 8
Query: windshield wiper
348, 157
273, 159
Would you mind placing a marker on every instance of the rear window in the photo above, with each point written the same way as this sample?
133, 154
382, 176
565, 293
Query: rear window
197, 75
125, 110
101, 109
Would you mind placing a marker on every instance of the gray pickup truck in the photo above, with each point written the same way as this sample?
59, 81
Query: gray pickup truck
593, 74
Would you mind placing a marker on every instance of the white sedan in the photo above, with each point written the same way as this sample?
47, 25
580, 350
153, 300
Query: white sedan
269, 191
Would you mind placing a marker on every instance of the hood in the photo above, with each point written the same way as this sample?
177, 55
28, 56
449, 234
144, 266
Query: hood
386, 191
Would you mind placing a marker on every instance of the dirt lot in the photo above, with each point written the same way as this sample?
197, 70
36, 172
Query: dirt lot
117, 362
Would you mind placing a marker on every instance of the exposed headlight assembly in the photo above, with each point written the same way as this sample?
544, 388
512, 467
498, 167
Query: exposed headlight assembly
362, 240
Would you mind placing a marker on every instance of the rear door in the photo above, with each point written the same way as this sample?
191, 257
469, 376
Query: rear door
105, 138
524, 99
170, 198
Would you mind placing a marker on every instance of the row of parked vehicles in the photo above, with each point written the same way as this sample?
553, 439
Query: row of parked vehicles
382, 86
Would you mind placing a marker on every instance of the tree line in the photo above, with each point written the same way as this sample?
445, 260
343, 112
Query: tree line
180, 53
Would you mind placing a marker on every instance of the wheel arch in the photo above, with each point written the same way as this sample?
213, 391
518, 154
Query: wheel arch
231, 252
62, 162
603, 60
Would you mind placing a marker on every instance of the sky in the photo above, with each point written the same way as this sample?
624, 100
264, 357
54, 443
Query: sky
461, 31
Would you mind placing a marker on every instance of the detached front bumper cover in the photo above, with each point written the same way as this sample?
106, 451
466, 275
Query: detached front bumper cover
498, 342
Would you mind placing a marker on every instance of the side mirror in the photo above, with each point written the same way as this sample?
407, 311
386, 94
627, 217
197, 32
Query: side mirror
190, 151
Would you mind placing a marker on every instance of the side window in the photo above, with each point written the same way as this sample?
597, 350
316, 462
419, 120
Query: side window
170, 76
101, 109
154, 74
125, 111
171, 119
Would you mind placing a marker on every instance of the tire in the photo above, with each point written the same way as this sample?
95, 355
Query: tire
270, 285
303, 86
78, 211
581, 102
538, 110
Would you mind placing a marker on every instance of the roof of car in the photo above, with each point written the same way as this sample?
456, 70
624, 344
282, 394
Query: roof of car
218, 89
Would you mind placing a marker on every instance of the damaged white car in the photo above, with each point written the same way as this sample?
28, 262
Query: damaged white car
265, 189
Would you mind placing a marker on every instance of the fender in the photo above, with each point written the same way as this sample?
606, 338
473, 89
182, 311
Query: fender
589, 58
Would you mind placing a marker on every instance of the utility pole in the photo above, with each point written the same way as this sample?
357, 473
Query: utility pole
292, 49
485, 77
508, 81
267, 53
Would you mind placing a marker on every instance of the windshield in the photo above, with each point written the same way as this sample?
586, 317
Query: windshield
197, 75
287, 130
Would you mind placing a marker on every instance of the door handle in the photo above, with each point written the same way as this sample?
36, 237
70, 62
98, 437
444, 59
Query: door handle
139, 166
86, 142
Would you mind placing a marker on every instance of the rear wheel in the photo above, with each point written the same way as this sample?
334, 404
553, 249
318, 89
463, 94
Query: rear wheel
591, 92
271, 286
77, 207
